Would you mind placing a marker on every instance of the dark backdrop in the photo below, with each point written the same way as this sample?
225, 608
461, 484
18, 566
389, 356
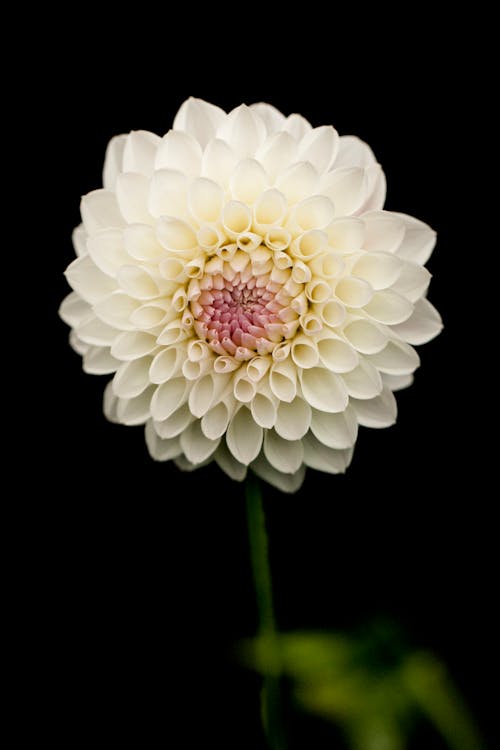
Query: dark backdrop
142, 581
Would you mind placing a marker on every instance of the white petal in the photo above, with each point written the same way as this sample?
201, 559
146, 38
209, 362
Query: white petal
397, 382
244, 436
283, 380
284, 455
141, 243
205, 199
175, 235
116, 309
88, 281
99, 210
353, 152
384, 231
236, 219
226, 461
168, 397
293, 419
376, 412
346, 188
196, 446
161, 450
98, 360
132, 345
322, 458
134, 411
113, 161
132, 193
376, 189
263, 408
166, 364
179, 151
270, 116
305, 351
74, 309
389, 308
284, 482
346, 234
364, 381
200, 119
205, 392
109, 404
138, 282
132, 378
140, 151
77, 344
175, 423
397, 358
243, 130
319, 147
168, 193
418, 242
381, 270
315, 212
248, 181
367, 337
337, 431
423, 324
324, 390
215, 421
107, 250
337, 355
353, 291
93, 331
298, 182
413, 281
278, 151
297, 126
79, 239
218, 162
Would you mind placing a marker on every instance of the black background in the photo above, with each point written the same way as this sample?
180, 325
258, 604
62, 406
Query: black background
140, 582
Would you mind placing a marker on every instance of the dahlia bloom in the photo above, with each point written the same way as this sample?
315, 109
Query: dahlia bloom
253, 302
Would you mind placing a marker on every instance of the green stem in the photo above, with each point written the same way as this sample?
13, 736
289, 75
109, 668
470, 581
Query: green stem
271, 697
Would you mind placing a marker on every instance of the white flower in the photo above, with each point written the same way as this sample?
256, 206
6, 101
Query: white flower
252, 299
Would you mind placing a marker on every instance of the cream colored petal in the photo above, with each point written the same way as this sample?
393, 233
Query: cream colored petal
74, 310
305, 351
423, 324
161, 450
346, 188
116, 309
140, 151
413, 281
278, 151
132, 378
389, 308
168, 397
109, 404
269, 210
132, 345
137, 282
384, 231
418, 241
397, 382
132, 193
364, 381
376, 412
218, 162
140, 242
283, 380
243, 130
335, 354
236, 219
168, 194
93, 331
205, 198
99, 210
244, 436
88, 281
79, 239
175, 235
298, 182
324, 390
346, 234
322, 458
113, 161
270, 116
338, 431
107, 250
175, 423
98, 360
297, 126
288, 483
354, 292
264, 408
376, 189
179, 151
397, 358
315, 212
353, 152
365, 336
332, 313
196, 446
319, 147
136, 410
248, 181
167, 364
77, 344
226, 461
293, 419
214, 423
284, 455
200, 119
381, 270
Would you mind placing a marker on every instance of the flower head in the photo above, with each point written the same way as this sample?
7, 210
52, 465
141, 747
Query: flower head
242, 283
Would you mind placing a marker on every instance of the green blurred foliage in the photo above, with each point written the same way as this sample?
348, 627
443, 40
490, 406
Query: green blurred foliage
371, 685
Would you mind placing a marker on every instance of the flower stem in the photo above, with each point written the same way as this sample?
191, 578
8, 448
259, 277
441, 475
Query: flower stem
271, 697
